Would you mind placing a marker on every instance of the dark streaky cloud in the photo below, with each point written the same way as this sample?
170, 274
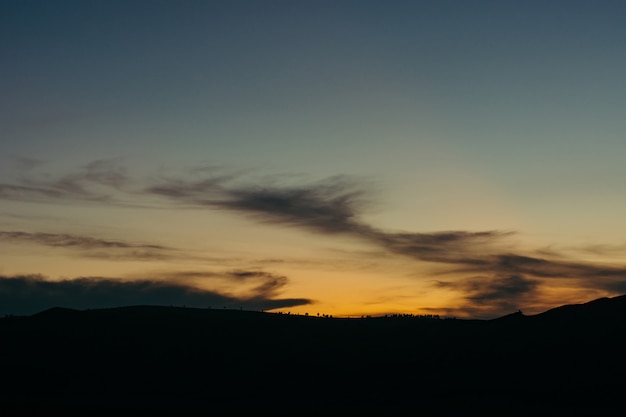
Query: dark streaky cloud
25, 295
74, 186
266, 284
491, 296
330, 207
540, 267
26, 163
333, 207
67, 240
327, 207
502, 281
90, 246
486, 290
23, 192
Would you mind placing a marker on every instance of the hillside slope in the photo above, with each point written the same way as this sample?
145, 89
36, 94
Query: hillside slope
177, 360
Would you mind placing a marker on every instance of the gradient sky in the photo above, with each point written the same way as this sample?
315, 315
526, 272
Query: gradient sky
460, 158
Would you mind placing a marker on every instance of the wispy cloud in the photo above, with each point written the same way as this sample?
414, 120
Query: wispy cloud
510, 282
495, 270
332, 206
328, 206
617, 286
26, 163
493, 295
604, 250
450, 247
93, 182
34, 293
90, 246
22, 192
264, 284
502, 277
511, 263
65, 240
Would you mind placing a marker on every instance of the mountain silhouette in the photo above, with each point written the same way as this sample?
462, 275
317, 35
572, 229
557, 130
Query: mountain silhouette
600, 309
154, 360
57, 313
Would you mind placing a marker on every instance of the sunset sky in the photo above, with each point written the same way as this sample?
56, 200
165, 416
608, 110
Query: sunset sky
461, 158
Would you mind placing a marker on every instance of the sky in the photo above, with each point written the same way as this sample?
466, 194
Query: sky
460, 158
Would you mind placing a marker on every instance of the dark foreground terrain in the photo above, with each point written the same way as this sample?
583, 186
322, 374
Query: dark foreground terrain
177, 361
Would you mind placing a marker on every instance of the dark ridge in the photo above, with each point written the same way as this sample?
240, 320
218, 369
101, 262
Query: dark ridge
57, 313
596, 309
602, 308
518, 315
157, 312
156, 360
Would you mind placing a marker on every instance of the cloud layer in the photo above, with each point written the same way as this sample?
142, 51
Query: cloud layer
330, 207
90, 246
27, 295
483, 266
497, 280
94, 182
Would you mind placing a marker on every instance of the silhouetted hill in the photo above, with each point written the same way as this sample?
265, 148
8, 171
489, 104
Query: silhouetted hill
168, 360
600, 309
57, 313
518, 315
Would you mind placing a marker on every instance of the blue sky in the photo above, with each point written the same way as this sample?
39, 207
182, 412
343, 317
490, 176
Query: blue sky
419, 117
